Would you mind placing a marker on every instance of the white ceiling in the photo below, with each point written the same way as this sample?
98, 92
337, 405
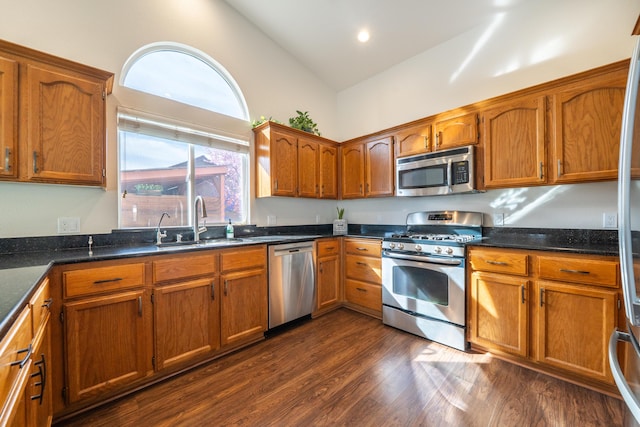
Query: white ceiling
322, 34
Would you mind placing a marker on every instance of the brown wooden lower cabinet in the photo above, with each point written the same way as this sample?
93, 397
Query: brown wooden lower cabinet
328, 275
363, 275
25, 353
561, 325
126, 323
106, 343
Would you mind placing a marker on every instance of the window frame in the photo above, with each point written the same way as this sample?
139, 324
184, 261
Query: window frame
163, 117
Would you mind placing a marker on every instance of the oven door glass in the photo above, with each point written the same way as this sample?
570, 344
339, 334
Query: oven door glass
421, 284
429, 289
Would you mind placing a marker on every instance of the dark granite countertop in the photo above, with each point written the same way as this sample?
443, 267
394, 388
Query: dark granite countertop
593, 242
21, 272
25, 262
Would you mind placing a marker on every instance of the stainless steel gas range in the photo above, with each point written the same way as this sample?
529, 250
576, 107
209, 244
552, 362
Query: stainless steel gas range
423, 275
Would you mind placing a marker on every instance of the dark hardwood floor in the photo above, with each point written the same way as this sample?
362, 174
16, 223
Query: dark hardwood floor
346, 369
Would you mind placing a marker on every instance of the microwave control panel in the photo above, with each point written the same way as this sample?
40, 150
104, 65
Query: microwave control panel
460, 172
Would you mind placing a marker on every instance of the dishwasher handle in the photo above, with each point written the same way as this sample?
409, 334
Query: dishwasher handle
292, 250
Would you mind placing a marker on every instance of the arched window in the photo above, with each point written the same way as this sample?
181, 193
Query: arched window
184, 75
166, 161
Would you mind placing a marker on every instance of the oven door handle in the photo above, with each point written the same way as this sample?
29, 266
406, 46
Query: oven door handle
423, 258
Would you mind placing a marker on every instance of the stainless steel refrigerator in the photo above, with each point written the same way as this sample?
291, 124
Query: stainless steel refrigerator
623, 345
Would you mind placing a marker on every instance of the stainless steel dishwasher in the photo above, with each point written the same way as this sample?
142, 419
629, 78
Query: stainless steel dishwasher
291, 281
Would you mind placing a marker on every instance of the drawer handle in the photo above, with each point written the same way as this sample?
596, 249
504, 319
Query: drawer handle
24, 361
115, 279
361, 289
488, 261
564, 270
361, 249
213, 290
140, 306
541, 297
330, 248
7, 155
47, 303
522, 289
361, 263
42, 373
226, 288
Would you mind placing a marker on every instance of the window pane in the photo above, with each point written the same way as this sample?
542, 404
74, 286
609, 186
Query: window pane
221, 181
153, 180
184, 78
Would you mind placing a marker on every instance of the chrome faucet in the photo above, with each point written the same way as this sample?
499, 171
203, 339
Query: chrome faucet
197, 229
160, 234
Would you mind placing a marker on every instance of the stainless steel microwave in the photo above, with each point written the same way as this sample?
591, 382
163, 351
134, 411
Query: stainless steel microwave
438, 173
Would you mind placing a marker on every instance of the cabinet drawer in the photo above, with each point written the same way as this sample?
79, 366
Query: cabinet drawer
102, 279
364, 268
180, 268
363, 294
234, 259
499, 261
40, 303
14, 348
327, 247
365, 247
579, 270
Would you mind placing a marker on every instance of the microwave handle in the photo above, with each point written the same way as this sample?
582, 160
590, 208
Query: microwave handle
449, 176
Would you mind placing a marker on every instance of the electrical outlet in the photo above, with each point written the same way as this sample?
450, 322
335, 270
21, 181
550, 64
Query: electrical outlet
498, 219
68, 225
610, 219
271, 220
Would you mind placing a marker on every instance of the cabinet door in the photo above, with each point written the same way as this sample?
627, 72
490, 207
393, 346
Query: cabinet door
8, 118
379, 168
284, 164
187, 321
308, 161
413, 140
457, 131
588, 121
352, 171
62, 127
243, 309
106, 343
499, 313
574, 324
514, 144
328, 172
328, 289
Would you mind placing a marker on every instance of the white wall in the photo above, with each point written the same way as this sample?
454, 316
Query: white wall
549, 39
104, 35
544, 40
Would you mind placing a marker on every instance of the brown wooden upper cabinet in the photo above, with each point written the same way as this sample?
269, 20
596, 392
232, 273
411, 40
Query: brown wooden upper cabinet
562, 132
293, 163
514, 143
456, 131
414, 139
587, 118
53, 118
367, 168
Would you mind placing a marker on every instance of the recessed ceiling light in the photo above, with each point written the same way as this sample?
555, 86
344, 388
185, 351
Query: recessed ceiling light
363, 36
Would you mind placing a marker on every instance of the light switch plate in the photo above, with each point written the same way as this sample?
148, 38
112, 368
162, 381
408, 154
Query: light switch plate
610, 219
67, 225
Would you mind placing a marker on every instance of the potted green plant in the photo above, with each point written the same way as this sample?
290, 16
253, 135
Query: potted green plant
303, 122
340, 224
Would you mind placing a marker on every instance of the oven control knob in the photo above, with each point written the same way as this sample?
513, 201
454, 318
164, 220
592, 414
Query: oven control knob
392, 245
449, 251
438, 250
400, 246
418, 248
